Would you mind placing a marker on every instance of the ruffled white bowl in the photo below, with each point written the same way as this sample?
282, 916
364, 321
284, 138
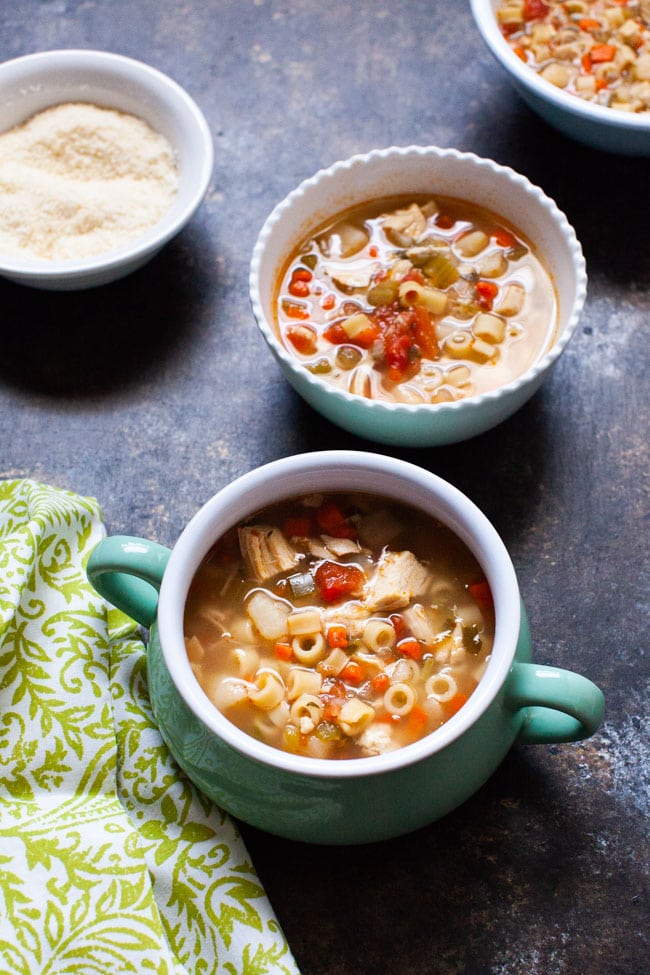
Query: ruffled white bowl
406, 170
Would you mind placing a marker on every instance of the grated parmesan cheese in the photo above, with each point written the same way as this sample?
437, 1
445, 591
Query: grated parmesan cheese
77, 180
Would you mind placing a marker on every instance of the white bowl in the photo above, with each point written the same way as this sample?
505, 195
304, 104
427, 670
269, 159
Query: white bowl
37, 81
418, 170
595, 125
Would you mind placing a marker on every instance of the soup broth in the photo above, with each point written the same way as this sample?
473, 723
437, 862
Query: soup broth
416, 300
339, 626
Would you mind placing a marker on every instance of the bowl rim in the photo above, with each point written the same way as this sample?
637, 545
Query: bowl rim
389, 408
119, 65
465, 518
484, 17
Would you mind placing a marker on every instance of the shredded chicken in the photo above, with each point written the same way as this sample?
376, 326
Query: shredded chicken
267, 551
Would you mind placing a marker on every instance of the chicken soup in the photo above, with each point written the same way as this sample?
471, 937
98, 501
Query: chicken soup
416, 300
597, 50
339, 626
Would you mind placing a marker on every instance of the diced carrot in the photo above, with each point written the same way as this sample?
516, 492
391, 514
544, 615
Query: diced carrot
504, 238
482, 594
336, 334
411, 648
456, 703
535, 9
337, 636
303, 338
293, 310
521, 54
283, 651
352, 673
297, 525
388, 718
298, 288
301, 274
328, 302
417, 719
380, 683
373, 251
588, 23
586, 63
600, 53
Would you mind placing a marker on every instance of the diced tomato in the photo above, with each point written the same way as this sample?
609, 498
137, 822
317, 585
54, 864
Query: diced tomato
297, 525
328, 302
294, 310
303, 338
336, 580
367, 337
486, 292
534, 9
445, 221
373, 251
399, 352
301, 274
331, 520
425, 333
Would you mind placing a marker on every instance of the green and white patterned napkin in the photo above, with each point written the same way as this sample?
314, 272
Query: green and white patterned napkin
110, 860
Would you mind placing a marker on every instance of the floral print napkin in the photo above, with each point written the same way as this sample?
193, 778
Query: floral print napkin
110, 860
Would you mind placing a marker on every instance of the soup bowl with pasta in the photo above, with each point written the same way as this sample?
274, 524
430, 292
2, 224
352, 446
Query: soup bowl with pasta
417, 296
338, 652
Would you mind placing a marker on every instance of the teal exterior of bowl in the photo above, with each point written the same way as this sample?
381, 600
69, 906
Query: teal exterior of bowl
334, 811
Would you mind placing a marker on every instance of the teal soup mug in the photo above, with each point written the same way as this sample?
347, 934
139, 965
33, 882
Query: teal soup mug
341, 800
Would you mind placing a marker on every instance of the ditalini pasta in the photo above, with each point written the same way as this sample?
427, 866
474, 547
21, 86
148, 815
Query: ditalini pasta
339, 626
416, 300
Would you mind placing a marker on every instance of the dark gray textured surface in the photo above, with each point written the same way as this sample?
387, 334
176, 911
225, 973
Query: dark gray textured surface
152, 393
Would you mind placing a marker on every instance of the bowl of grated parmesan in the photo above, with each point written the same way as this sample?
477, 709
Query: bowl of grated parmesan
103, 160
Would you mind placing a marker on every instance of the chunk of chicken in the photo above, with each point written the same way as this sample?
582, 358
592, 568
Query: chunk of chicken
376, 741
399, 578
267, 551
405, 227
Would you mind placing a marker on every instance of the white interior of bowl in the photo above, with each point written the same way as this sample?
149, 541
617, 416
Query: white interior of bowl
416, 169
484, 12
334, 471
37, 81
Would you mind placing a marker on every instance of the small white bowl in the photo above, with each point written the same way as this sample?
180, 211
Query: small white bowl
595, 125
35, 82
403, 171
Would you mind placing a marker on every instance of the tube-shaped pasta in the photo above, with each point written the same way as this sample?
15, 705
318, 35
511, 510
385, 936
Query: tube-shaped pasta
512, 300
306, 712
458, 345
267, 690
226, 693
304, 622
379, 635
247, 661
334, 662
269, 615
308, 648
303, 681
354, 716
399, 699
441, 687
490, 328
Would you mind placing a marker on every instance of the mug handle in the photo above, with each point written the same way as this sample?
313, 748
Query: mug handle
127, 572
560, 705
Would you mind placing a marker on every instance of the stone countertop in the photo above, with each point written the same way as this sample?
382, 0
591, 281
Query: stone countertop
152, 393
